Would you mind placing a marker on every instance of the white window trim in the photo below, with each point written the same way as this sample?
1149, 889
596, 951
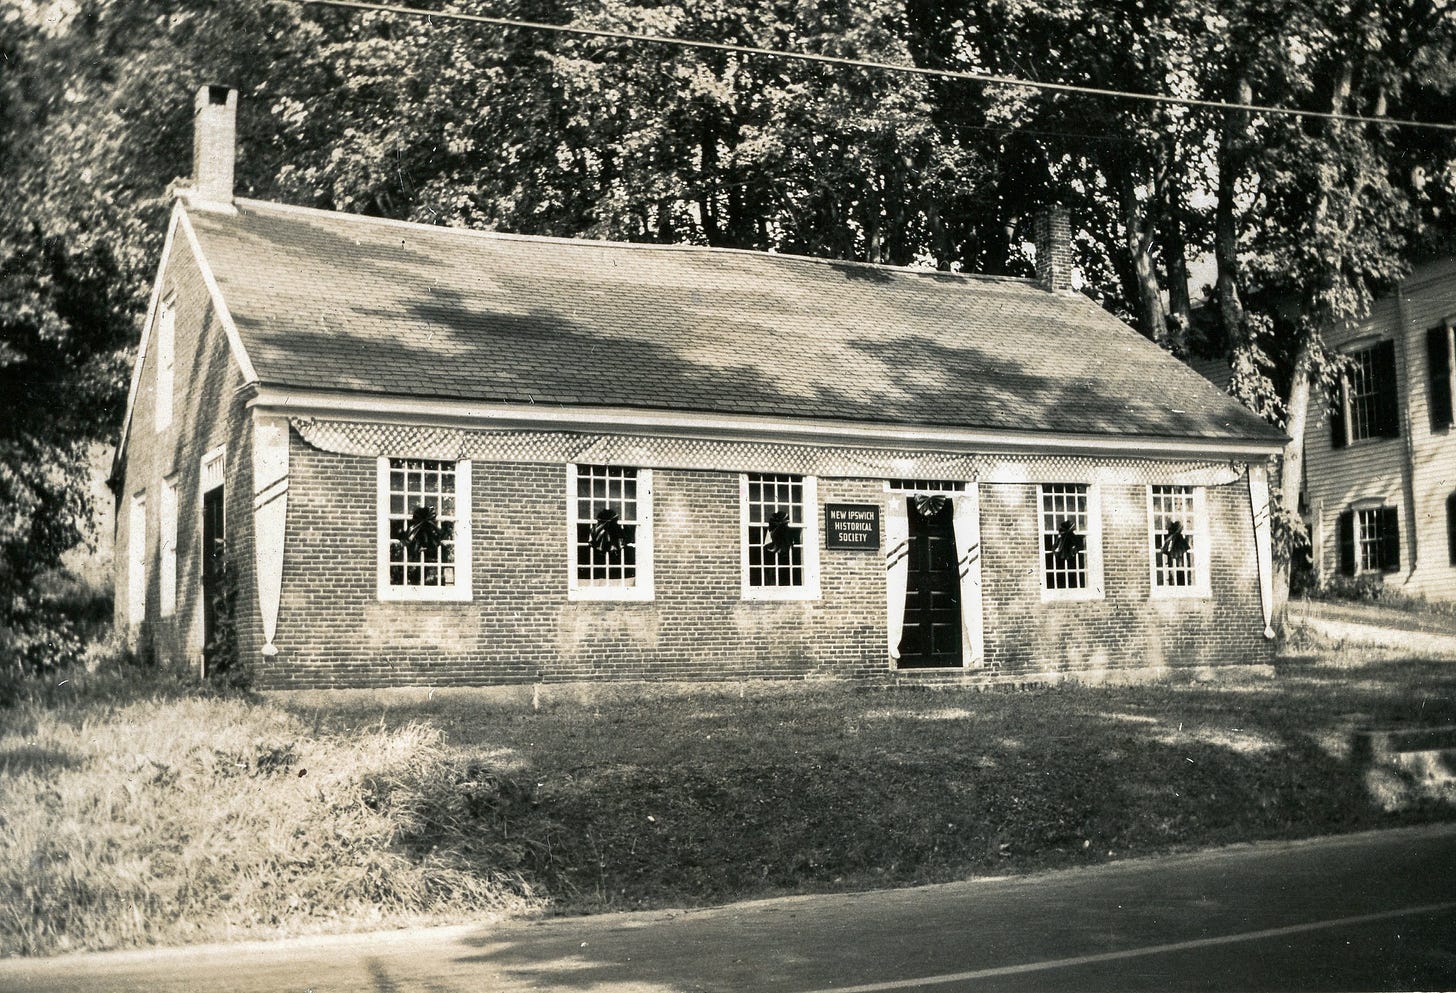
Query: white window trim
166, 380
1095, 588
1357, 346
217, 457
1359, 508
136, 554
956, 486
461, 590
1202, 587
643, 589
809, 537
167, 548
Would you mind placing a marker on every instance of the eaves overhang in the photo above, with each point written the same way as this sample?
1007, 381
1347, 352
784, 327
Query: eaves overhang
477, 415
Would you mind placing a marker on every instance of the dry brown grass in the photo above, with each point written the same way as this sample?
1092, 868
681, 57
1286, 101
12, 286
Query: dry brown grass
189, 819
128, 818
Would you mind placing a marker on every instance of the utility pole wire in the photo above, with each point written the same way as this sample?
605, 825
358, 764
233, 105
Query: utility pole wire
834, 60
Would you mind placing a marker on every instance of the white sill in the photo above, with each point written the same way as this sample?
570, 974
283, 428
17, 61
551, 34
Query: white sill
424, 594
1181, 593
610, 594
770, 594
1072, 596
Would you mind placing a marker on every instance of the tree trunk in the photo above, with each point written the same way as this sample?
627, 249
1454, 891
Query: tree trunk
1137, 228
1291, 478
1291, 470
1175, 255
1226, 227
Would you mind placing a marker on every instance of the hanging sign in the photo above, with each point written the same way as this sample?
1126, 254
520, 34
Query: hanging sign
852, 526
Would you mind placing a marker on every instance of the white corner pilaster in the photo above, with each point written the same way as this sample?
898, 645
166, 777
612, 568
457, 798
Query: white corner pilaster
967, 521
1263, 542
270, 517
897, 569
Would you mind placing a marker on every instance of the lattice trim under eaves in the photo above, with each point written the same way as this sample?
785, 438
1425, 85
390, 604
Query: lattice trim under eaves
425, 442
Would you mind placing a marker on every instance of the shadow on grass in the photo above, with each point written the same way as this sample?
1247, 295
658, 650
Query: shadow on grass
25, 759
697, 800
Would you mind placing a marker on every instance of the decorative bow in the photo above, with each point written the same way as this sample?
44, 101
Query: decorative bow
423, 533
1068, 544
929, 507
1174, 546
607, 534
781, 535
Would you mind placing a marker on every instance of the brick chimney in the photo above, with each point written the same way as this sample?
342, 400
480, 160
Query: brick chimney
1053, 230
214, 147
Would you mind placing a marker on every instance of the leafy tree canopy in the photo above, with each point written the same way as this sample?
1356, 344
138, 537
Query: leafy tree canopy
516, 130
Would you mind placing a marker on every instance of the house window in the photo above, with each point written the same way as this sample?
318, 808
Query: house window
610, 535
1377, 540
1178, 547
212, 468
1369, 540
167, 571
424, 529
166, 359
778, 537
1439, 365
926, 486
1369, 404
1071, 541
1451, 528
136, 572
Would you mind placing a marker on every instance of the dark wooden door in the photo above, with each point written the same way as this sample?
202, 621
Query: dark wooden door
932, 634
212, 567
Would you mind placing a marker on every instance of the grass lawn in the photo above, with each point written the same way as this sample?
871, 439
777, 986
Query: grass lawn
176, 817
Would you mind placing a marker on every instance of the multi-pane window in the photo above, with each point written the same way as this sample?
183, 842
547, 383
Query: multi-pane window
611, 532
1364, 394
1176, 535
927, 485
1377, 542
425, 546
780, 544
167, 570
1069, 540
1368, 405
1369, 540
166, 359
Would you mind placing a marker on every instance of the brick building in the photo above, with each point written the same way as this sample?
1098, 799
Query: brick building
1380, 471
431, 455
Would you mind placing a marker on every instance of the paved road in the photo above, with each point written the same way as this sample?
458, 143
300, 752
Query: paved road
1363, 912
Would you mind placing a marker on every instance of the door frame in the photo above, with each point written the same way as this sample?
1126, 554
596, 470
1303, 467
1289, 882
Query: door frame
211, 475
966, 519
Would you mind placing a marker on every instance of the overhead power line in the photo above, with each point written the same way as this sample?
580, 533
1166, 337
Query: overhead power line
834, 60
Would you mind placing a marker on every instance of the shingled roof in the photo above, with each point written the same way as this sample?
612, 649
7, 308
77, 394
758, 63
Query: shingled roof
337, 302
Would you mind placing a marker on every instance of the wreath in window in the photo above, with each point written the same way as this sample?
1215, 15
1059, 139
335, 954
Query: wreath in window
929, 506
1068, 544
423, 533
1174, 546
608, 535
780, 536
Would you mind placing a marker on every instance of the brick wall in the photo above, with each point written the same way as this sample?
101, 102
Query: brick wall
207, 413
1127, 628
520, 625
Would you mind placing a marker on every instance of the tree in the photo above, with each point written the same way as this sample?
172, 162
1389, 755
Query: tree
1331, 212
1306, 220
518, 130
547, 134
83, 143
